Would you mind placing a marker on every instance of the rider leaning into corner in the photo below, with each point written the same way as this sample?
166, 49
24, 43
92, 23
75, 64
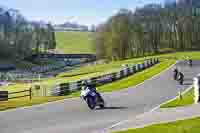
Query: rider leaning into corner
91, 87
189, 61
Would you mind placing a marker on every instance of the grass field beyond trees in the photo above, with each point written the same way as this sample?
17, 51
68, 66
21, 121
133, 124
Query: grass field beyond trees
184, 126
74, 42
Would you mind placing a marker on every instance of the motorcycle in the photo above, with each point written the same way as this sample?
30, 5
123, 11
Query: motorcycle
181, 78
92, 98
175, 75
190, 62
181, 82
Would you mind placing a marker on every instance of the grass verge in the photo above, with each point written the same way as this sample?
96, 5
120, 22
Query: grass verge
187, 99
183, 126
137, 78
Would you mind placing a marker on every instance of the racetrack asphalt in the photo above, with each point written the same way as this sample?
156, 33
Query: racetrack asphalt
73, 116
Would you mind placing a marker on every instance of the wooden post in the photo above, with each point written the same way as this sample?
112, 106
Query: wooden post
45, 89
30, 93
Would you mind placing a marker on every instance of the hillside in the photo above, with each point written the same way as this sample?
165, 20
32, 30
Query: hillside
74, 42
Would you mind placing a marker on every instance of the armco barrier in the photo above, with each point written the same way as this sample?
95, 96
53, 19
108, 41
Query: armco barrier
118, 75
66, 88
73, 86
131, 70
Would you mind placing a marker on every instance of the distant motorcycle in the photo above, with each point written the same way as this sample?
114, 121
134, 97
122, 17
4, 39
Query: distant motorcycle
92, 98
190, 62
181, 78
175, 75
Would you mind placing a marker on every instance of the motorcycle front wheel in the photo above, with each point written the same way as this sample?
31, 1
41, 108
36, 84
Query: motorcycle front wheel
90, 102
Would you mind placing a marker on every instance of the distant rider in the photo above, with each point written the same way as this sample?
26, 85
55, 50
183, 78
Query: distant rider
181, 78
175, 73
91, 87
190, 62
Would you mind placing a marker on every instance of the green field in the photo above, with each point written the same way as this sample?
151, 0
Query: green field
74, 42
187, 99
184, 126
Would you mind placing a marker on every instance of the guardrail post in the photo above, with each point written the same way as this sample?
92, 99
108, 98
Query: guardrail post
134, 68
125, 72
79, 84
143, 66
153, 61
146, 64
73, 86
114, 76
139, 67
118, 75
121, 74
157, 60
94, 80
149, 63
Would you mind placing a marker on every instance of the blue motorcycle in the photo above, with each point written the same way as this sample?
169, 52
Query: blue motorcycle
92, 98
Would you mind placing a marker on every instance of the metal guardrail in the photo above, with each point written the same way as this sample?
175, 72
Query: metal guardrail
66, 88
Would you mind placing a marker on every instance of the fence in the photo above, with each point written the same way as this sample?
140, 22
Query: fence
5, 95
66, 88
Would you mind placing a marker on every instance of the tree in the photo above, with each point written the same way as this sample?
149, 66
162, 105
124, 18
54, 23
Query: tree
149, 30
19, 38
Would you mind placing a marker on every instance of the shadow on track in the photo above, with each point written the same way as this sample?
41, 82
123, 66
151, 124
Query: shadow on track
112, 108
187, 83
